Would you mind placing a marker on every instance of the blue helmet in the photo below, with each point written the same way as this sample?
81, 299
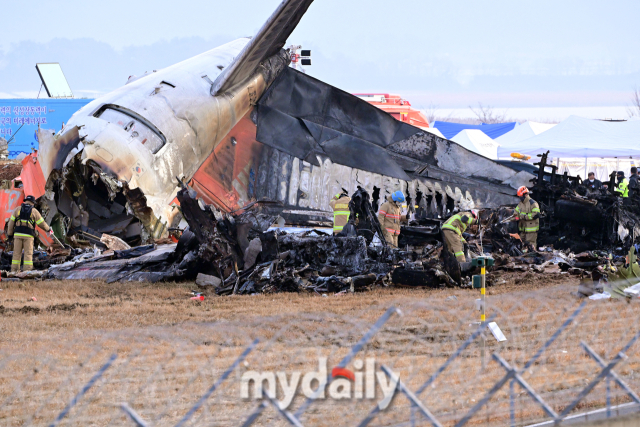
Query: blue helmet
398, 197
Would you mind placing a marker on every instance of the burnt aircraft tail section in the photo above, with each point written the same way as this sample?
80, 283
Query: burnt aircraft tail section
305, 141
268, 42
305, 117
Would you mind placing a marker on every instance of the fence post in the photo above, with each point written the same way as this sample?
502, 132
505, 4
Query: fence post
483, 316
483, 262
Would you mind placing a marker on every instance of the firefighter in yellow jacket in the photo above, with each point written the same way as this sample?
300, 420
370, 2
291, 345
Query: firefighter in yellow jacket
389, 215
452, 230
527, 214
22, 227
340, 206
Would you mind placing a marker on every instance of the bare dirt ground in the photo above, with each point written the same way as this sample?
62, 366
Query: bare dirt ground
67, 307
171, 348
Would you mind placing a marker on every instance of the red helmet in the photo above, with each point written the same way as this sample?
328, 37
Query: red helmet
522, 191
474, 212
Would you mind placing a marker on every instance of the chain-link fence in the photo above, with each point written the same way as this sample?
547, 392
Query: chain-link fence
412, 364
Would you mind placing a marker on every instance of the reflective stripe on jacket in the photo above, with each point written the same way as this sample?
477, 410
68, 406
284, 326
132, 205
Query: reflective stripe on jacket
525, 211
19, 228
389, 217
623, 188
340, 206
457, 224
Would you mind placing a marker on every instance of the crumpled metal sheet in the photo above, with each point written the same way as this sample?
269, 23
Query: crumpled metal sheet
304, 117
300, 116
54, 151
124, 269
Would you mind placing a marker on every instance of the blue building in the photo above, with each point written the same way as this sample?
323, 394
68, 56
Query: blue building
19, 119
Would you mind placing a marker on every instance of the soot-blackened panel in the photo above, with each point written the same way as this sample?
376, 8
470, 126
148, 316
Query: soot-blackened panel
299, 115
285, 133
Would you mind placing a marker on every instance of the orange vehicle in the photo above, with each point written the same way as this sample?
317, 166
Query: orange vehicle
396, 106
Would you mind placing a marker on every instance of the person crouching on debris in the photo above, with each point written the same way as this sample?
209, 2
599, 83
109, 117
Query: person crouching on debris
340, 206
622, 188
389, 217
452, 230
527, 215
22, 227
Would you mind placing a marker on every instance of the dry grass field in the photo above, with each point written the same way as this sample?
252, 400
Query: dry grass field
171, 349
72, 307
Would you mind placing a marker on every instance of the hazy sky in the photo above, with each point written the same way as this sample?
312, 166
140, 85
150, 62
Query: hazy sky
449, 53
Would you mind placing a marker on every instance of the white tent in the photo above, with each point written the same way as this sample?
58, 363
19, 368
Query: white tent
602, 168
510, 141
477, 141
434, 131
578, 146
577, 137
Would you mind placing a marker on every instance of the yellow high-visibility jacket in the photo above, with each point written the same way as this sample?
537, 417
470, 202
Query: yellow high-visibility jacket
623, 188
340, 206
457, 223
525, 211
19, 228
389, 217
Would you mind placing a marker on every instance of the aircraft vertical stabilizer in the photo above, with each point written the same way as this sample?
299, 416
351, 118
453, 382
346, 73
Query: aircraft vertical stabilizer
267, 42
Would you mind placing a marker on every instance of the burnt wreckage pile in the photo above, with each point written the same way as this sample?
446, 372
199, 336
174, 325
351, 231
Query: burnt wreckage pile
583, 233
581, 219
243, 254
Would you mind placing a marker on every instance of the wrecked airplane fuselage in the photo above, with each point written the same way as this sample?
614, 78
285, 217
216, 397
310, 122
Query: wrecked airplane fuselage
134, 142
163, 126
305, 141
240, 126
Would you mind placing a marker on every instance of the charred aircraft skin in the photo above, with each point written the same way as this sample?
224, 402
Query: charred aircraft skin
305, 141
161, 126
241, 126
